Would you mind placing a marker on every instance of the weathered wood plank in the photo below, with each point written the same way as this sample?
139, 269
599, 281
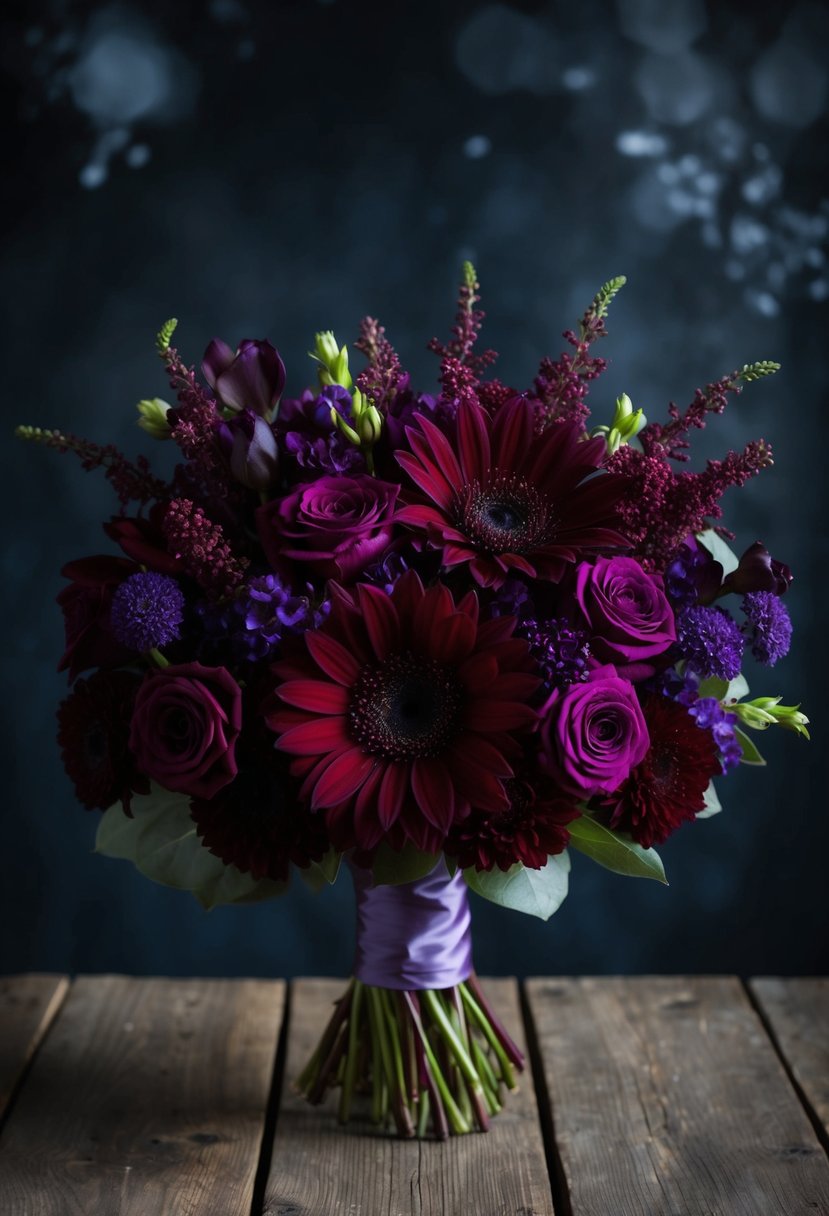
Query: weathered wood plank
668, 1098
320, 1169
797, 1014
148, 1097
28, 1004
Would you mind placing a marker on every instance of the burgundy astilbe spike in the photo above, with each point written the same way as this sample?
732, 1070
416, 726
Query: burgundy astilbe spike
193, 424
468, 321
381, 378
662, 507
132, 481
201, 547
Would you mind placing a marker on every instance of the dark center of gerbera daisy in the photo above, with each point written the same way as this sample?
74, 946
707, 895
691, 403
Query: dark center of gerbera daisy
505, 515
405, 707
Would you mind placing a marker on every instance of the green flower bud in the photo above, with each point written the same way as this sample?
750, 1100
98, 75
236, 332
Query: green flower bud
153, 417
626, 424
333, 360
342, 426
370, 425
763, 712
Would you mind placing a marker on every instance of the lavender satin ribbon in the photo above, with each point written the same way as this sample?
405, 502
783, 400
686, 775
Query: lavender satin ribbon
415, 935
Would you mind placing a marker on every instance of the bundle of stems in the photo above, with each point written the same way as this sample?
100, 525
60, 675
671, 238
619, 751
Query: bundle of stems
428, 1059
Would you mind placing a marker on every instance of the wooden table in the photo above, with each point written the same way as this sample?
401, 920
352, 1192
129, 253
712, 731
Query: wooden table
655, 1096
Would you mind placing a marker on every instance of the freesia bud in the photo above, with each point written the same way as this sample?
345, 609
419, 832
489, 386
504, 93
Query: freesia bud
343, 427
251, 378
251, 450
153, 417
370, 425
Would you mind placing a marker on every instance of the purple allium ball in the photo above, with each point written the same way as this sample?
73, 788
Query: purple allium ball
768, 626
710, 641
147, 610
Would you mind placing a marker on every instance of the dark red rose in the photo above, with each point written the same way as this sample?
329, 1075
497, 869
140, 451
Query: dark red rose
184, 728
93, 727
85, 604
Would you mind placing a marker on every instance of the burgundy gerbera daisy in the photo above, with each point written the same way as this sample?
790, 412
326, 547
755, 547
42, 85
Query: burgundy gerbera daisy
531, 829
668, 786
504, 499
257, 822
402, 713
93, 732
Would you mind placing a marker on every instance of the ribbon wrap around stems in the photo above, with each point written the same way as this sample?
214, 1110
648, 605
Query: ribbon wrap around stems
414, 935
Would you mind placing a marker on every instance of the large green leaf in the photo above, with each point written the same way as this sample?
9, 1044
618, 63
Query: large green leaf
719, 550
322, 873
751, 754
713, 806
724, 690
161, 840
536, 892
395, 866
615, 850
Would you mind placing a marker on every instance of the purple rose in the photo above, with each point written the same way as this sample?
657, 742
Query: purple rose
626, 612
250, 449
184, 728
251, 378
338, 525
593, 734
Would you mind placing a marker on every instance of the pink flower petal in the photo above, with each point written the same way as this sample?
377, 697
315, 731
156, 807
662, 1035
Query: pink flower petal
434, 792
314, 737
393, 789
317, 696
342, 778
473, 442
332, 657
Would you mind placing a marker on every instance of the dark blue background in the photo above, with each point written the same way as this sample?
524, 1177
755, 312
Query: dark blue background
262, 169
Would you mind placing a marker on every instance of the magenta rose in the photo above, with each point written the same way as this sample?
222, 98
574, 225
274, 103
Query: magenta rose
626, 612
184, 728
593, 734
337, 525
86, 605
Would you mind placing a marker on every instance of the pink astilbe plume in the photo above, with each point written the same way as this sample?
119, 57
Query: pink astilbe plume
381, 378
132, 481
671, 438
201, 547
193, 425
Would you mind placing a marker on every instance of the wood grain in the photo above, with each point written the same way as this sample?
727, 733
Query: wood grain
797, 1014
320, 1169
28, 1005
668, 1098
148, 1097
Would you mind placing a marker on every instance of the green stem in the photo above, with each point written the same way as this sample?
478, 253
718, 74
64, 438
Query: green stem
351, 1055
158, 657
507, 1075
459, 1123
455, 1045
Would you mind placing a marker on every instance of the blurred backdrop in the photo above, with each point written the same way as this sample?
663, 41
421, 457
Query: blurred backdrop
266, 169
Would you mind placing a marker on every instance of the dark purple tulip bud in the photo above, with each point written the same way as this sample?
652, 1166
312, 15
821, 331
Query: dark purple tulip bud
251, 378
251, 450
758, 571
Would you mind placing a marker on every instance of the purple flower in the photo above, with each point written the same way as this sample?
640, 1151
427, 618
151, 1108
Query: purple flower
593, 734
386, 572
513, 599
311, 437
251, 378
768, 627
147, 611
759, 571
562, 653
265, 612
336, 525
628, 619
710, 641
692, 576
710, 715
251, 450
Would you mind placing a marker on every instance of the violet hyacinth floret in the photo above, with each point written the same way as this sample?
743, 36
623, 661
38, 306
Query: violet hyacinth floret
710, 641
562, 653
147, 611
768, 627
709, 714
265, 612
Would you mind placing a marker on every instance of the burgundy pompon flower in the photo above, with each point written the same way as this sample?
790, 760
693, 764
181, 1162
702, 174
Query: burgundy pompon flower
504, 500
93, 733
667, 787
402, 714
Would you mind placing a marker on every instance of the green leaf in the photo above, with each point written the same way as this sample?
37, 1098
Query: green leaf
713, 806
719, 550
751, 754
393, 866
724, 690
615, 850
161, 840
323, 872
537, 892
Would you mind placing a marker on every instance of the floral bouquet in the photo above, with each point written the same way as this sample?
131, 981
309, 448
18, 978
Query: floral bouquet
441, 636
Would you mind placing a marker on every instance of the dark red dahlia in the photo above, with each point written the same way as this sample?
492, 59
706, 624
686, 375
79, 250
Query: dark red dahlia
531, 829
668, 786
258, 822
503, 499
93, 730
403, 711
